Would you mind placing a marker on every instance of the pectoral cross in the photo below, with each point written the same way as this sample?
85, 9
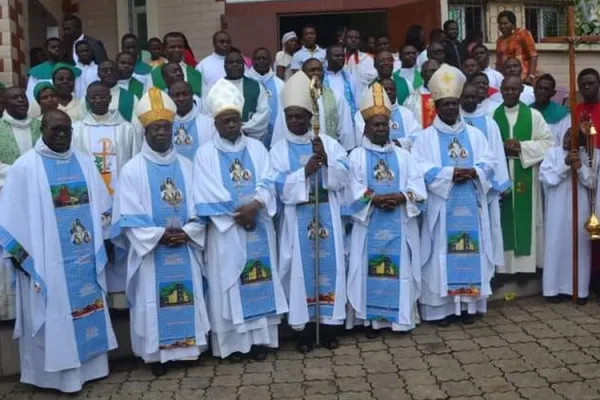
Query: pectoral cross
573, 41
105, 154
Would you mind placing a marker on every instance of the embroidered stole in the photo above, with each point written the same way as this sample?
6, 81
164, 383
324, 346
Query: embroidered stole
330, 113
428, 112
257, 294
71, 200
126, 100
348, 94
185, 138
103, 148
174, 285
552, 112
396, 124
463, 252
479, 122
251, 91
273, 97
517, 208
9, 149
384, 240
194, 78
308, 233
136, 88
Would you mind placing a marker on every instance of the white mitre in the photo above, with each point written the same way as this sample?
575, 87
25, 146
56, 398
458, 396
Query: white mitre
224, 96
155, 105
296, 92
446, 82
375, 101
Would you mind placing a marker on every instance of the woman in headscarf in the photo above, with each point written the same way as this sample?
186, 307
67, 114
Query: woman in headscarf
46, 96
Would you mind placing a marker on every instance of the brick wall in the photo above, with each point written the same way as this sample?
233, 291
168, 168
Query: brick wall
197, 19
13, 46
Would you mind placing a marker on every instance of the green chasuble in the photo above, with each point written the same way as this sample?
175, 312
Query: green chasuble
517, 207
136, 88
141, 68
126, 100
9, 149
552, 112
251, 90
402, 89
194, 78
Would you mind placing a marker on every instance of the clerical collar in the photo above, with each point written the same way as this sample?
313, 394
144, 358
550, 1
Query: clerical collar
167, 158
368, 145
228, 147
251, 73
111, 118
300, 139
19, 123
42, 149
189, 116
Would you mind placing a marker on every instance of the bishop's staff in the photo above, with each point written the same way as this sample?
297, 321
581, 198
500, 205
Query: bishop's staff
315, 93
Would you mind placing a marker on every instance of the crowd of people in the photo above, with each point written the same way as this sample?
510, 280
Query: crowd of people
197, 196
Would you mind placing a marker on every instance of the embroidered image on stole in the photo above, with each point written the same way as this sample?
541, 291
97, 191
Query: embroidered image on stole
104, 152
75, 226
308, 233
463, 258
257, 293
396, 125
185, 138
175, 295
384, 240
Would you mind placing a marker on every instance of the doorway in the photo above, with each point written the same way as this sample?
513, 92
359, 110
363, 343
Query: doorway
369, 23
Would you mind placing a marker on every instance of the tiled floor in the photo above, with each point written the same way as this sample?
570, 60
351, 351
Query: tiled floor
525, 349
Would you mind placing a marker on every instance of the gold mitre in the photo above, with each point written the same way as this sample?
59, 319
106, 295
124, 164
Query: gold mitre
446, 82
375, 101
154, 106
296, 92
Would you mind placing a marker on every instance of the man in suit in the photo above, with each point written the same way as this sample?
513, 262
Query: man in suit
73, 33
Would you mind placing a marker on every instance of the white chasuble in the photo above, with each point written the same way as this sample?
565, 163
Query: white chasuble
54, 234
384, 274
456, 244
246, 299
168, 316
555, 176
298, 229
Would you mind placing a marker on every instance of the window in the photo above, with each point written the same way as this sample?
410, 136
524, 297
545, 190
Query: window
139, 22
470, 19
545, 22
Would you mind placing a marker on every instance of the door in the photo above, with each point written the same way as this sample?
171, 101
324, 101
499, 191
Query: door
426, 13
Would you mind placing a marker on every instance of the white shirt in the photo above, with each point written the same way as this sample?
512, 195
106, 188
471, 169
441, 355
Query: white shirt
212, 69
75, 57
422, 58
283, 59
89, 74
494, 77
304, 54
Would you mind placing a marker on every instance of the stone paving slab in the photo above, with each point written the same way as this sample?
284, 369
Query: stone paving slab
526, 349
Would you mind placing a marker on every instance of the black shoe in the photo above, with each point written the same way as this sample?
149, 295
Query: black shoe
371, 333
444, 323
303, 343
554, 299
158, 369
582, 301
259, 353
467, 319
236, 357
330, 342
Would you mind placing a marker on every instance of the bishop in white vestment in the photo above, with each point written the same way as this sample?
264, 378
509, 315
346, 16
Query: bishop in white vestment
297, 160
555, 175
111, 142
54, 235
477, 116
233, 190
526, 139
384, 273
154, 207
457, 251
403, 125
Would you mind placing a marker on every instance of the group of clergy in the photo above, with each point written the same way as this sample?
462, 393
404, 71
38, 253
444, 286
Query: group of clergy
209, 206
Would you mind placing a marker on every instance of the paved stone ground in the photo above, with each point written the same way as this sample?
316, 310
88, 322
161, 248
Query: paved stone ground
525, 349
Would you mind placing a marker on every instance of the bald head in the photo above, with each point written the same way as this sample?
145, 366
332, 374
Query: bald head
57, 131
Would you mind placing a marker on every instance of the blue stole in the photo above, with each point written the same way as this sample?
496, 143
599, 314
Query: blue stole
348, 94
463, 259
478, 122
299, 154
172, 265
75, 227
384, 240
257, 293
185, 138
273, 98
396, 124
